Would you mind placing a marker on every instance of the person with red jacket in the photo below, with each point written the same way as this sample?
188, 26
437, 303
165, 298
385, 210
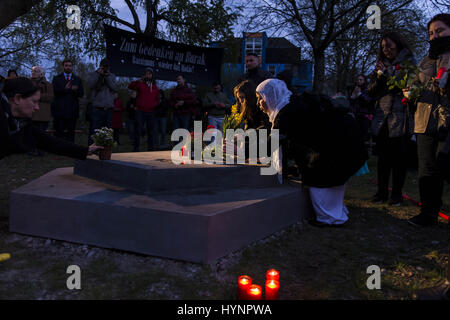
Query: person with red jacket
116, 123
184, 102
146, 101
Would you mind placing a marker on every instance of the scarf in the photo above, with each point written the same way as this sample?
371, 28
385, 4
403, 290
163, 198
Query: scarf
276, 95
438, 46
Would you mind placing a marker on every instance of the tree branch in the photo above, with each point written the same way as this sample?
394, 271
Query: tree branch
116, 19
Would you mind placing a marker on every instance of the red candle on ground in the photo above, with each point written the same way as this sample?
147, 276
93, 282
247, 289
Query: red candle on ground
272, 288
272, 274
244, 283
254, 292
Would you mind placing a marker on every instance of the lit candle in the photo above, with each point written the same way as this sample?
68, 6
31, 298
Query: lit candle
254, 292
272, 274
272, 288
244, 283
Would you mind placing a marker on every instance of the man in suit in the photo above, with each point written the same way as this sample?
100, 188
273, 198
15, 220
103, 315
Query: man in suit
67, 89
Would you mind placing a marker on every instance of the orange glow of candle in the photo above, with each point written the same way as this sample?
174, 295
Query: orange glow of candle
244, 283
254, 292
272, 288
272, 274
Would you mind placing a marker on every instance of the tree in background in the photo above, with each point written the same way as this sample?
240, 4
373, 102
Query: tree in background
320, 22
42, 33
356, 50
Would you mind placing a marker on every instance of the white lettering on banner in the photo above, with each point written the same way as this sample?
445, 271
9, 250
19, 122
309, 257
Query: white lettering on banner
128, 46
195, 59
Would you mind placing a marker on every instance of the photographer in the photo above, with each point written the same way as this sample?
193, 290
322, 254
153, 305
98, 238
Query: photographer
360, 105
102, 84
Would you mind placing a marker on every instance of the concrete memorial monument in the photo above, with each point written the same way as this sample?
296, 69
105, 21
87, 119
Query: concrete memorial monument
142, 202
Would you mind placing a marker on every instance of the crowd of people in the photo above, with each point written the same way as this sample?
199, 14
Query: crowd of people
325, 139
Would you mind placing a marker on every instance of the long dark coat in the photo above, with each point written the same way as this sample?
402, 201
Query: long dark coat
389, 108
324, 140
66, 103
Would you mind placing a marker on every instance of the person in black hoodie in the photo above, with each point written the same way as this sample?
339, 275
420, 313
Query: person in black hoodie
325, 142
17, 133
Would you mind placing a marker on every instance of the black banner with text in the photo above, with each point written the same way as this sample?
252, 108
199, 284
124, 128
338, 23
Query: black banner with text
130, 53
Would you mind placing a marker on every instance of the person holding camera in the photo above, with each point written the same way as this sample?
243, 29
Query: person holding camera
102, 84
360, 105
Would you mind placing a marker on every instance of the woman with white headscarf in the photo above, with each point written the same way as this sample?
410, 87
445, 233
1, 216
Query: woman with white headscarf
323, 138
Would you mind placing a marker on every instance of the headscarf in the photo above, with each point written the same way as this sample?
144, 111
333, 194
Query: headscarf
275, 94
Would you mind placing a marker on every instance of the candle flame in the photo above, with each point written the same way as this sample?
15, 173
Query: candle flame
255, 290
272, 284
245, 281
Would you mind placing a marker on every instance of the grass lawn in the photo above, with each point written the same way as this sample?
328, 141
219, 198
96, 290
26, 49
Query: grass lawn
314, 263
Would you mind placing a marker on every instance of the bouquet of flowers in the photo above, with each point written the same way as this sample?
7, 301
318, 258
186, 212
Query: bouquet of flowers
104, 137
233, 121
404, 81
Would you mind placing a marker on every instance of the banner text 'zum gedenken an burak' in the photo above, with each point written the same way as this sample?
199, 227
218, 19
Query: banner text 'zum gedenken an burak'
129, 54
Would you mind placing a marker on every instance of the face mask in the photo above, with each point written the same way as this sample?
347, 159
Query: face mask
438, 46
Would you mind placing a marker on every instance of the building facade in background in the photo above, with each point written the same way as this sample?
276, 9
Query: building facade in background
276, 55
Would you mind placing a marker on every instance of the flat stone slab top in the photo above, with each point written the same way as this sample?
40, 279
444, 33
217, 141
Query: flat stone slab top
197, 225
149, 172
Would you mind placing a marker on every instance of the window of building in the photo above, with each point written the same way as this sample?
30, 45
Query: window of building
253, 45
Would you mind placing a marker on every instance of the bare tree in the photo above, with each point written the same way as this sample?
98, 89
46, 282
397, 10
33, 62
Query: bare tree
320, 21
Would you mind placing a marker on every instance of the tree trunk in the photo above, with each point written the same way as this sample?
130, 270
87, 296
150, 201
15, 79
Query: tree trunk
10, 10
319, 71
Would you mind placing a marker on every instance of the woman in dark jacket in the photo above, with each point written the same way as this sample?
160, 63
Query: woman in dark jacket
392, 124
324, 139
432, 118
17, 133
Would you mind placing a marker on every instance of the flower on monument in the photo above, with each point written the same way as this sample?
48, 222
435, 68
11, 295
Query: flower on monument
405, 101
210, 127
397, 67
104, 137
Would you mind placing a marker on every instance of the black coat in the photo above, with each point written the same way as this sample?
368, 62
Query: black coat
256, 75
324, 140
389, 110
66, 105
20, 136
